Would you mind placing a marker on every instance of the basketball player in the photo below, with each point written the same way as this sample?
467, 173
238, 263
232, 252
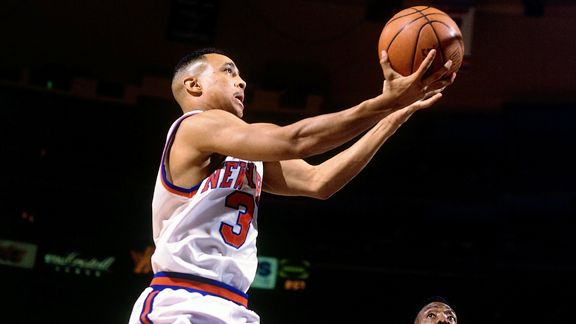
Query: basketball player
215, 165
436, 311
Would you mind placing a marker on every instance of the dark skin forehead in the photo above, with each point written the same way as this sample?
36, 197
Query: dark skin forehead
438, 307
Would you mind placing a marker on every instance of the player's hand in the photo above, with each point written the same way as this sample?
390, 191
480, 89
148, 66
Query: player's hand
406, 90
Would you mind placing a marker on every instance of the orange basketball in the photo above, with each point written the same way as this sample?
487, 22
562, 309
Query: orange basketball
411, 33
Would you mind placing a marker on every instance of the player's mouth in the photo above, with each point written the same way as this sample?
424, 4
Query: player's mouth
239, 96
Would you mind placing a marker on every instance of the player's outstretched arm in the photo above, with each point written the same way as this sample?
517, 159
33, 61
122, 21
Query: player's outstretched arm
298, 178
229, 135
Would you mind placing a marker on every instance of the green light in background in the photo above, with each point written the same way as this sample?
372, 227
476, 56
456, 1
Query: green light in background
49, 85
266, 273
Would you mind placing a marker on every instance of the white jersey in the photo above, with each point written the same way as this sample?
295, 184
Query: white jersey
205, 236
208, 230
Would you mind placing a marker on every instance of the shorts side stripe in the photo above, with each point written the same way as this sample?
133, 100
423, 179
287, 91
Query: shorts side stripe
147, 307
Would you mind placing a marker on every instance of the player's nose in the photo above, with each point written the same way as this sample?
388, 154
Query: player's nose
241, 83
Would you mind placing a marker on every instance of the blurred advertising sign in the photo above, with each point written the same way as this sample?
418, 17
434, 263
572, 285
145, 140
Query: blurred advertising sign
142, 260
294, 269
294, 273
74, 263
18, 254
266, 273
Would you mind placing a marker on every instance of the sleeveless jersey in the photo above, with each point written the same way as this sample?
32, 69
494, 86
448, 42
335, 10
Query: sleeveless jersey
208, 230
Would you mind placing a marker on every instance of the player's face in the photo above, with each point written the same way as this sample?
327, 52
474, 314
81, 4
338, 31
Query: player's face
223, 85
436, 313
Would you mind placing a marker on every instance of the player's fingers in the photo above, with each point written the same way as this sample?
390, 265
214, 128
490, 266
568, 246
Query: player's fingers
441, 74
452, 77
442, 83
384, 85
426, 63
431, 93
386, 66
384, 61
430, 100
439, 85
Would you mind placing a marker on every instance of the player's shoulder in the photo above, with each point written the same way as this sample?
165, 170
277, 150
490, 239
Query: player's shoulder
208, 120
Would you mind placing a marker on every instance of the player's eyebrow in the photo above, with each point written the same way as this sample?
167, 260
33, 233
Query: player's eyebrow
232, 66
450, 312
435, 308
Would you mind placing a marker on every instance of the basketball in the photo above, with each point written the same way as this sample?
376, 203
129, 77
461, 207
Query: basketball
411, 33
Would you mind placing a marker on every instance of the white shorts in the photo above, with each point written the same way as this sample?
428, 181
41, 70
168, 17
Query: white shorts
177, 301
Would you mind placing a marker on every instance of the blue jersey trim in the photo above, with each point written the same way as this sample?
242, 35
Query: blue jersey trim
162, 165
201, 279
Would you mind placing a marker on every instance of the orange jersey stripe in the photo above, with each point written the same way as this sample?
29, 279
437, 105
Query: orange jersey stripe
177, 192
201, 286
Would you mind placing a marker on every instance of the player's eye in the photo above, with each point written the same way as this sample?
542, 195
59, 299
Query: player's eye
431, 315
451, 318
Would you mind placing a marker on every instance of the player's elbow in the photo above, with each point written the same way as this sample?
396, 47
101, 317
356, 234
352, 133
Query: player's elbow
320, 185
318, 195
324, 195
323, 191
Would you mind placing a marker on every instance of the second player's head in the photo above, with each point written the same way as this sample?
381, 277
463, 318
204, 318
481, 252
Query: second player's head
436, 311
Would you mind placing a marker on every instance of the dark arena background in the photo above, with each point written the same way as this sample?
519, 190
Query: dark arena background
472, 200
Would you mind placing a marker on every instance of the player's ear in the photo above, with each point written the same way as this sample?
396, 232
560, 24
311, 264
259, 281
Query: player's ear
193, 86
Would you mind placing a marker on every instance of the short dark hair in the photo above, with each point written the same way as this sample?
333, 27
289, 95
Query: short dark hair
195, 55
435, 299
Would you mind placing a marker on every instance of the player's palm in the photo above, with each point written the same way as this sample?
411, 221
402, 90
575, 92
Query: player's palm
416, 86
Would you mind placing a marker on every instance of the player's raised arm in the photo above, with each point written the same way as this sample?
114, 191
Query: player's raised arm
228, 135
231, 136
298, 178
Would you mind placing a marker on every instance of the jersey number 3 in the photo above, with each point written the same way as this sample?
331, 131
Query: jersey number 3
244, 203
